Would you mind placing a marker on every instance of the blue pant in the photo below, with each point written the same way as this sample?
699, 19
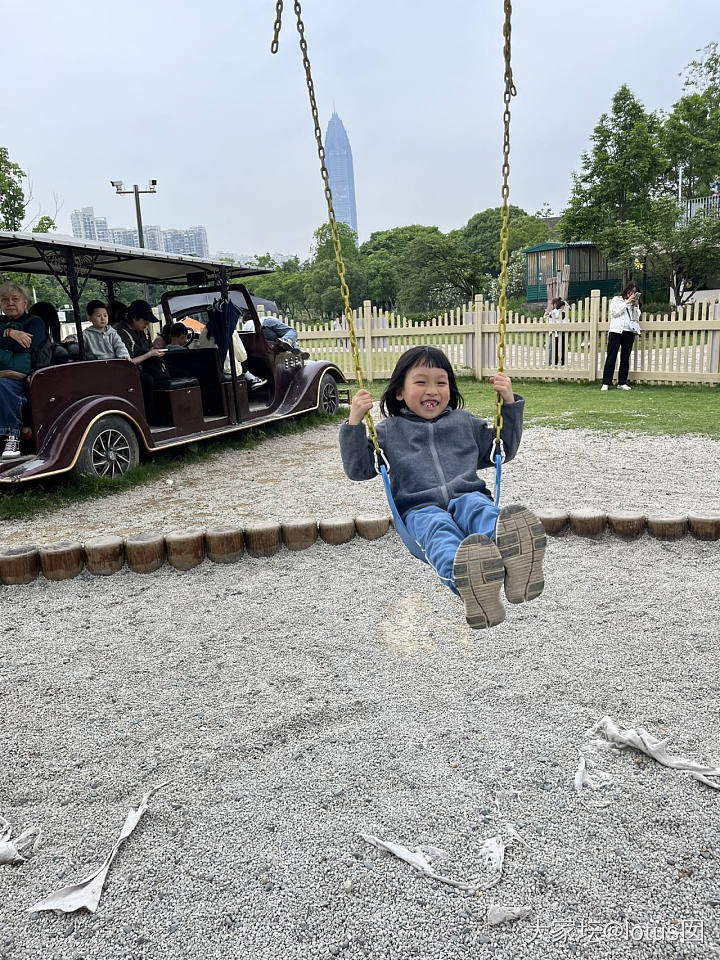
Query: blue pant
12, 401
440, 532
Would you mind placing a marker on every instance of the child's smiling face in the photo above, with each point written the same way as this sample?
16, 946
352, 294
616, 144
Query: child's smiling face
425, 391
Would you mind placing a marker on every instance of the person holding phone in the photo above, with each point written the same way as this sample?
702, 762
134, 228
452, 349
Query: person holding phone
624, 327
148, 359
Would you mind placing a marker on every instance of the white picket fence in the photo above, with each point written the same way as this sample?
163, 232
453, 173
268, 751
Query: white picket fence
682, 347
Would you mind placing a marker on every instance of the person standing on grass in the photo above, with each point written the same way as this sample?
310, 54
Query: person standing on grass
624, 327
556, 314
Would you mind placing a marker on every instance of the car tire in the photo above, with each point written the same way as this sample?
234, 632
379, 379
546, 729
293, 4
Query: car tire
110, 449
329, 400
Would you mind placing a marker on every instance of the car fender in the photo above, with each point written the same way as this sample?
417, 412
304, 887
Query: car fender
306, 386
63, 442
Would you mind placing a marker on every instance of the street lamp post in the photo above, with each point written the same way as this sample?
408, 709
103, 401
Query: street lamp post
151, 188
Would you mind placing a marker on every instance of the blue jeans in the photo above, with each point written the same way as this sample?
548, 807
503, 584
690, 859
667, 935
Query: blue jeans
12, 401
440, 532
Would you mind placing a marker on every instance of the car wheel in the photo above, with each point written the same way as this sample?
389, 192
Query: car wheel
329, 401
110, 449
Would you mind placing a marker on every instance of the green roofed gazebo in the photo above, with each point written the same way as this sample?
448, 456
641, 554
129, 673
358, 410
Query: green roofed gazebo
589, 270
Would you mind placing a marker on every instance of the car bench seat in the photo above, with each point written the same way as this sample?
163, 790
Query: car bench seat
201, 365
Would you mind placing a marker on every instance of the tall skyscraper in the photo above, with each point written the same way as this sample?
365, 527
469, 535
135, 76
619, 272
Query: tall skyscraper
339, 161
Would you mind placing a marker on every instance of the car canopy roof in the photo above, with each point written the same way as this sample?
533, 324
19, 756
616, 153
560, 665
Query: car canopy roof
48, 253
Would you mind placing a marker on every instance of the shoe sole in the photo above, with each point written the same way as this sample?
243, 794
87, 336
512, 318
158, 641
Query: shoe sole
521, 541
479, 572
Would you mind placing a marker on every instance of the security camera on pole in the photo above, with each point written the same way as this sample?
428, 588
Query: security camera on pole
151, 188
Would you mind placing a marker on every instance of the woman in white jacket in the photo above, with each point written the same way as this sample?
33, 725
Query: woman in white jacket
624, 326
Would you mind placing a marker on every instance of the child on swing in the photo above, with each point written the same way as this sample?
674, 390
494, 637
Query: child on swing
434, 449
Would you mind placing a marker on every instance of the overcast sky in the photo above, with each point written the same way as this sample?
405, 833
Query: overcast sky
188, 93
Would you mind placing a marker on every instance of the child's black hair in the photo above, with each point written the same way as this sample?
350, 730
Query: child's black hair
94, 305
177, 330
418, 357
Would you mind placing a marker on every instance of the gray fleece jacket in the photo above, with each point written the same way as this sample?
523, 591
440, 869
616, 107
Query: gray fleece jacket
431, 461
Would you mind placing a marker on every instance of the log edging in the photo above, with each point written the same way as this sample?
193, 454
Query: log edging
147, 552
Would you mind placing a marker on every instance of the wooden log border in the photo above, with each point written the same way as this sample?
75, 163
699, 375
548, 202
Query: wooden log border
147, 552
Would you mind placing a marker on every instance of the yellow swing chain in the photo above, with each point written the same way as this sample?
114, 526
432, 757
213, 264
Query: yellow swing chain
347, 309
510, 92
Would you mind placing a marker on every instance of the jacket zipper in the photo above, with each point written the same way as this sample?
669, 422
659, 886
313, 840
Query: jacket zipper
436, 460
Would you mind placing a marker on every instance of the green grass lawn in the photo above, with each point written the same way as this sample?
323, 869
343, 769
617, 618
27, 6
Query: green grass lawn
644, 409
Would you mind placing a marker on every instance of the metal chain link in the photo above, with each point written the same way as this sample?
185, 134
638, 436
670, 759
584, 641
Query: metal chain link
510, 92
339, 262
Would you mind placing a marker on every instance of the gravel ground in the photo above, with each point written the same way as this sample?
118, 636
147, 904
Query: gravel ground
298, 700
302, 474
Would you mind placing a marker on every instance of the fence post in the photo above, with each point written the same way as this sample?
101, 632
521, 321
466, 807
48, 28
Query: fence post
477, 358
594, 320
368, 332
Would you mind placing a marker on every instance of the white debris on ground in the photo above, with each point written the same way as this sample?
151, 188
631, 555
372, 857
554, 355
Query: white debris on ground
638, 738
297, 701
85, 894
301, 474
497, 914
19, 849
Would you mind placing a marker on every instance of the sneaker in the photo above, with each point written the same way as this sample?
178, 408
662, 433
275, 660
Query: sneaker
257, 383
623, 386
12, 448
603, 388
521, 540
287, 344
478, 572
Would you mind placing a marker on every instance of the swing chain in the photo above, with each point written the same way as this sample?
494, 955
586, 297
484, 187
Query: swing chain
339, 262
510, 92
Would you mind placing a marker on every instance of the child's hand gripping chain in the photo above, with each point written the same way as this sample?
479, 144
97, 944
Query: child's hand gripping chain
434, 449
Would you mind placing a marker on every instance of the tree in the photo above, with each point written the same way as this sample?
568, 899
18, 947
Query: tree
526, 231
439, 271
691, 132
703, 74
516, 278
685, 253
481, 236
12, 195
620, 175
320, 280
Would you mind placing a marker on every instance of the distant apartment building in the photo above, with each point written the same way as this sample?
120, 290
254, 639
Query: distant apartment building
86, 226
339, 162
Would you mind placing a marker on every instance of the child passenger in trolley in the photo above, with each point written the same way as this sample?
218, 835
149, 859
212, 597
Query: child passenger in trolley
434, 449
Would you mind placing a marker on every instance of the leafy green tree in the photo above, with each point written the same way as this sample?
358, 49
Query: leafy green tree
620, 175
321, 284
439, 271
685, 253
526, 231
516, 277
12, 195
691, 132
481, 236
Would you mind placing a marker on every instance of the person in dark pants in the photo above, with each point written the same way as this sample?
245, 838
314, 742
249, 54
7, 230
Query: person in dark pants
147, 358
624, 327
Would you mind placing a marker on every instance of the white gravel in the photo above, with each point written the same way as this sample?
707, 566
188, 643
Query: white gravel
301, 474
298, 700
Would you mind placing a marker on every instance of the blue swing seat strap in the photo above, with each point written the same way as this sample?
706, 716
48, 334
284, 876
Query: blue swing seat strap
498, 455
403, 532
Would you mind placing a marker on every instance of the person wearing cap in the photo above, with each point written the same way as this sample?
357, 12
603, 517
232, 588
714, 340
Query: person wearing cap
132, 332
